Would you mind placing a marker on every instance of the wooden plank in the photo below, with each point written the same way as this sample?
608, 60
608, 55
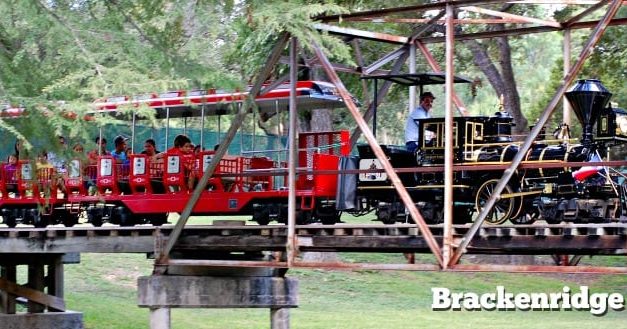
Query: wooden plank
32, 294
97, 244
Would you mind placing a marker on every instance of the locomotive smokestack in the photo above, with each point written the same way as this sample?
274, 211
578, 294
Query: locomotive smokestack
587, 98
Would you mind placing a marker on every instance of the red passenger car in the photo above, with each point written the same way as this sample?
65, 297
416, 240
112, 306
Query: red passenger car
146, 189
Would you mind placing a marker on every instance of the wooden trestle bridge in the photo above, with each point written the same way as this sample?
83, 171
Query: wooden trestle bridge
182, 252
536, 239
231, 244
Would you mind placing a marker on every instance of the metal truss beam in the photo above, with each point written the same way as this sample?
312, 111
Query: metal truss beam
273, 58
404, 195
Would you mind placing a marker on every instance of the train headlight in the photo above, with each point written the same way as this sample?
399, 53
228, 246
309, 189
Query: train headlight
621, 124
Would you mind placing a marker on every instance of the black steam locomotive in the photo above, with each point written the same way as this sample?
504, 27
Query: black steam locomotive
586, 194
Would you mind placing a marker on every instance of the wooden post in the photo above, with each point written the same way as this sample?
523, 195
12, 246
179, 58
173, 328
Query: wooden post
36, 282
55, 279
7, 300
280, 318
160, 318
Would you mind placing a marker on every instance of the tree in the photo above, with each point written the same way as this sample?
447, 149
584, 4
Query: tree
78, 51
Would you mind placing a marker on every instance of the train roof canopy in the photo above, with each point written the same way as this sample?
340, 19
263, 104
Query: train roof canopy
309, 94
417, 79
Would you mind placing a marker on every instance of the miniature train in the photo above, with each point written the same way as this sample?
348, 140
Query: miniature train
146, 190
586, 194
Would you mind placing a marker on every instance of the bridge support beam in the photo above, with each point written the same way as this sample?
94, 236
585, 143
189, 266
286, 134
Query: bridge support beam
42, 294
161, 293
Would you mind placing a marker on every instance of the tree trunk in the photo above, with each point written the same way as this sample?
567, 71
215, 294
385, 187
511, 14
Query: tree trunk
503, 82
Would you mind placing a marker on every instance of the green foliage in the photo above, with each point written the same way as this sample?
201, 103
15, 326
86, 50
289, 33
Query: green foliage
264, 21
76, 52
609, 62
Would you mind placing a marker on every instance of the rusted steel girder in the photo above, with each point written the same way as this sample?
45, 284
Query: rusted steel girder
367, 35
398, 10
403, 267
273, 58
388, 38
430, 169
511, 16
409, 203
292, 158
381, 93
521, 31
585, 13
447, 243
338, 67
436, 68
538, 269
384, 60
456, 21
509, 172
359, 58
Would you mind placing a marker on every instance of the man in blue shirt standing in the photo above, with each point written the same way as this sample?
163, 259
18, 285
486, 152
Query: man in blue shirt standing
411, 127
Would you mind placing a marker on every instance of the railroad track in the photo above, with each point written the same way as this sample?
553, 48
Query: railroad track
519, 239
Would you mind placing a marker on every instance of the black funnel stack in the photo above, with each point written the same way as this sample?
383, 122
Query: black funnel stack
587, 98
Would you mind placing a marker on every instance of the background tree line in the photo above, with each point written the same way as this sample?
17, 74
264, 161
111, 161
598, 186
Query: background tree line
60, 55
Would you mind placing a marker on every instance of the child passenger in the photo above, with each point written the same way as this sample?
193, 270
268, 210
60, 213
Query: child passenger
10, 173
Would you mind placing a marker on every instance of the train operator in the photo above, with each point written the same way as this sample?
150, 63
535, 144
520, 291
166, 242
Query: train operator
423, 111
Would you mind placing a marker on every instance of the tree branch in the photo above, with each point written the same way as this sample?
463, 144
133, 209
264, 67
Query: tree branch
77, 40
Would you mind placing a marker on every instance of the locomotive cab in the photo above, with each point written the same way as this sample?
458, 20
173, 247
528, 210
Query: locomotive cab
476, 139
612, 126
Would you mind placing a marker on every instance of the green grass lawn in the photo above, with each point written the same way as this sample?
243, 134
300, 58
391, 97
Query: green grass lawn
103, 287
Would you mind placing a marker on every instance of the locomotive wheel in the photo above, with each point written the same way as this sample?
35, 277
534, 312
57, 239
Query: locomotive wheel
525, 218
11, 221
261, 216
386, 216
95, 219
556, 218
304, 217
328, 216
503, 208
262, 220
40, 221
70, 220
158, 220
